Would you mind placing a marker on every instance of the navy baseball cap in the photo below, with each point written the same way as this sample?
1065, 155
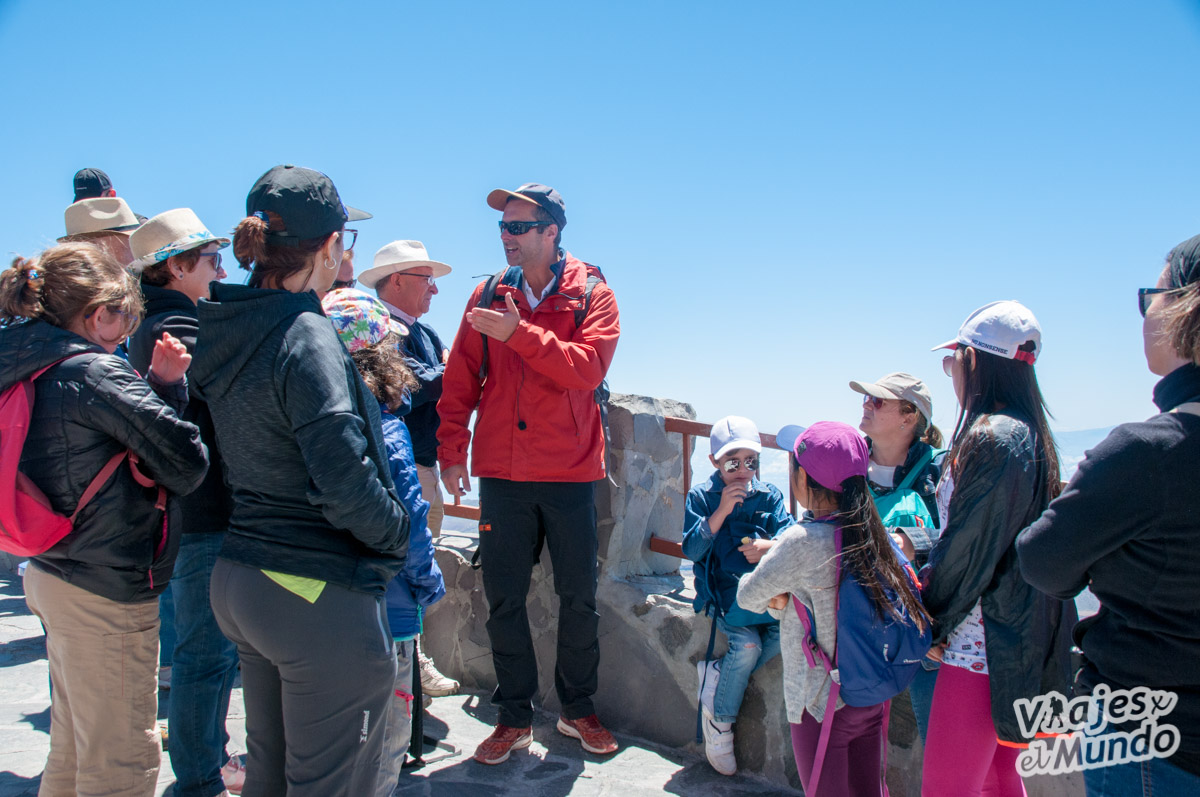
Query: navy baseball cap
91, 184
305, 199
542, 195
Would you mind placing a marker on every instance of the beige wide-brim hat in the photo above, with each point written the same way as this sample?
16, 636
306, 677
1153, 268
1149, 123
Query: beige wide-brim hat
168, 234
400, 256
899, 385
109, 214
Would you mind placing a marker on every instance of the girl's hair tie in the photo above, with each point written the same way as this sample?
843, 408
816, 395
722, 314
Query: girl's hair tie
262, 214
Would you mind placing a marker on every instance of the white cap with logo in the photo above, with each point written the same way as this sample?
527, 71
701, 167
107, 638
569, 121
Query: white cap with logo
1000, 328
731, 433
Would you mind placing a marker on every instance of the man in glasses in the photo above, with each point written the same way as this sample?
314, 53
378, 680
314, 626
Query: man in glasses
405, 279
533, 347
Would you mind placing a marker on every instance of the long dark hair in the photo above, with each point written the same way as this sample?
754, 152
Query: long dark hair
997, 383
867, 551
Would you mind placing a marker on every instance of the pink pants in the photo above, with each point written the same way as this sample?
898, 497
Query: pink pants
962, 754
852, 759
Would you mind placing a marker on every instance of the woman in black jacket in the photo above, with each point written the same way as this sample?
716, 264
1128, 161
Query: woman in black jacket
317, 528
178, 257
998, 638
96, 590
1128, 527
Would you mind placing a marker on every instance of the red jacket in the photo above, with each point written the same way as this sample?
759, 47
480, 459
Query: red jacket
543, 376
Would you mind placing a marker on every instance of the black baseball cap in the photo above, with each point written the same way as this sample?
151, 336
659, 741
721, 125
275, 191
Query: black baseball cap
306, 200
91, 184
543, 195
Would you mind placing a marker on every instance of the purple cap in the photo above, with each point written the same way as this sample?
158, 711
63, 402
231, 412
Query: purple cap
831, 452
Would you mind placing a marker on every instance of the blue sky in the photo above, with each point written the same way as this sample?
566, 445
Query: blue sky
784, 196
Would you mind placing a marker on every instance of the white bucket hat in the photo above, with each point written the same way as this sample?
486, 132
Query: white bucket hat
400, 256
101, 215
167, 234
1000, 328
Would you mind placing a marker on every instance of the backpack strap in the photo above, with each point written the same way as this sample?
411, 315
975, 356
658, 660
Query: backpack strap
916, 469
485, 300
712, 641
812, 651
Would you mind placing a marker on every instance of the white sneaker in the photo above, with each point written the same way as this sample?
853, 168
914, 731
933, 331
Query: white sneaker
707, 674
718, 745
433, 683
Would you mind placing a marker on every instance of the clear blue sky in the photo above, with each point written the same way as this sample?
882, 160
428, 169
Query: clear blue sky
784, 196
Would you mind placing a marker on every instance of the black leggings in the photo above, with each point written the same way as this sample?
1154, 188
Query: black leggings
319, 675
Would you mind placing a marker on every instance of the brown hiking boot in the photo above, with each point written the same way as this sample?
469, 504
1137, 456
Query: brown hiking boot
496, 748
590, 733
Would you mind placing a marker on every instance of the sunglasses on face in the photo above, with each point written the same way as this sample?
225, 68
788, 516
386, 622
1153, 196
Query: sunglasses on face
522, 227
873, 401
349, 238
216, 259
1146, 296
732, 465
948, 365
344, 284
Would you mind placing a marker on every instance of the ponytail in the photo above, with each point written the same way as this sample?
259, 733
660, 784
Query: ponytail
271, 263
867, 550
67, 282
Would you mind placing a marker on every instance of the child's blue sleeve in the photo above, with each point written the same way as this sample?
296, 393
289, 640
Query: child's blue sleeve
697, 536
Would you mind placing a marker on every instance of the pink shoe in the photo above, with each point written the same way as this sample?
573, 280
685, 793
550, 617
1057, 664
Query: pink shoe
234, 774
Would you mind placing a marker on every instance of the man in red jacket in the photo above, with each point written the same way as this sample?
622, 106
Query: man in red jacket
538, 452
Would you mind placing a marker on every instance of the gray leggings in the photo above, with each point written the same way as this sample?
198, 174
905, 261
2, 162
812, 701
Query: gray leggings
319, 675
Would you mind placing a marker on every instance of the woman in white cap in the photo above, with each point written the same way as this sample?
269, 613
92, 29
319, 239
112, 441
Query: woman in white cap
999, 639
178, 258
906, 465
1128, 528
317, 529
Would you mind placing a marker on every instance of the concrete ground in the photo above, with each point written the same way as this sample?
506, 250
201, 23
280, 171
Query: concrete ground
553, 766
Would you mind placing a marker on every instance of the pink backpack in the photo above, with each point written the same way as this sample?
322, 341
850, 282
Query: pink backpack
28, 525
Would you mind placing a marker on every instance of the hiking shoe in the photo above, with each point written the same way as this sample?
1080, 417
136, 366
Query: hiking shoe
164, 677
496, 748
718, 745
433, 683
234, 774
590, 733
707, 674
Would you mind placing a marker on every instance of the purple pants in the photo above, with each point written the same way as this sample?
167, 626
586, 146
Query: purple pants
853, 759
962, 755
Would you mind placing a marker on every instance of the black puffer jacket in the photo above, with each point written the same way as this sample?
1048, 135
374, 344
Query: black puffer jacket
301, 438
87, 410
207, 508
999, 489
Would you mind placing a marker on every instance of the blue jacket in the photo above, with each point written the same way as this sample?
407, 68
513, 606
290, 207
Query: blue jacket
420, 583
765, 508
422, 350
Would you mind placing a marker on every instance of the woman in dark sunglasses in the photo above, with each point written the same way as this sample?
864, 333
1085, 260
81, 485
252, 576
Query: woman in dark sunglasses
1128, 527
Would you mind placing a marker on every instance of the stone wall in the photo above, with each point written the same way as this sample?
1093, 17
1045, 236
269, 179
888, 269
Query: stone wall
650, 638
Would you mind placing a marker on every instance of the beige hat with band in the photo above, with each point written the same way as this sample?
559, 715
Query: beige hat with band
902, 386
400, 256
102, 215
167, 234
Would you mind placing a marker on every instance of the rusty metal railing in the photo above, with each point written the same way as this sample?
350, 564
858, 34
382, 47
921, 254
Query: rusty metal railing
687, 430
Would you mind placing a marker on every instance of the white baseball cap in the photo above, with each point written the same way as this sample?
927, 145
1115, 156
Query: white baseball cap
1000, 328
731, 433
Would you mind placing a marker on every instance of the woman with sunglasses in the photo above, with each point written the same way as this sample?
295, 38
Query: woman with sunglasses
317, 529
178, 259
998, 638
1128, 527
905, 467
96, 590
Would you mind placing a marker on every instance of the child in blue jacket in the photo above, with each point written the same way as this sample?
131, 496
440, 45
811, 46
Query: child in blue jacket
372, 337
730, 522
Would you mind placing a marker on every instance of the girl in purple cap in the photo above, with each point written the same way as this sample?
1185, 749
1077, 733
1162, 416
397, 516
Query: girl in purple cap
829, 477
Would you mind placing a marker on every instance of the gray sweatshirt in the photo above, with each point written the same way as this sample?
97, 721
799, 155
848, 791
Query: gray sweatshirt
801, 563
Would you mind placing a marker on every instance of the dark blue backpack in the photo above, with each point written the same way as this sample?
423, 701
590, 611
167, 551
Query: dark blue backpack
875, 658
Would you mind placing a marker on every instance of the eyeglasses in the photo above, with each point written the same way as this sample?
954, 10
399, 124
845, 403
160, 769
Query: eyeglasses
349, 237
344, 284
1145, 297
948, 365
731, 465
522, 227
874, 401
427, 277
216, 259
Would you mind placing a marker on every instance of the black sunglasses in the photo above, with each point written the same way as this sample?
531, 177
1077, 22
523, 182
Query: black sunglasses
1145, 297
349, 238
344, 284
522, 227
